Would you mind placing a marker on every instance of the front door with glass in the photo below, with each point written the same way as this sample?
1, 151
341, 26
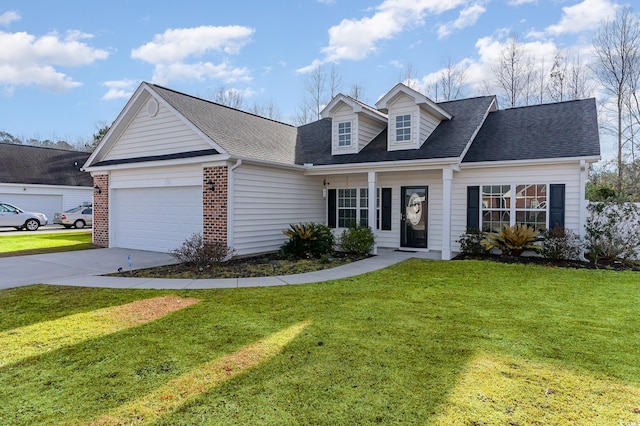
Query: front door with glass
413, 225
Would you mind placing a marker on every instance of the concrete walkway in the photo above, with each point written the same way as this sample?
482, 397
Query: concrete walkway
84, 269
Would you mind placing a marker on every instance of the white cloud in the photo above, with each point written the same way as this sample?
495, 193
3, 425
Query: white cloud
120, 89
489, 53
584, 16
468, 17
520, 2
172, 51
355, 39
29, 60
179, 44
9, 17
165, 73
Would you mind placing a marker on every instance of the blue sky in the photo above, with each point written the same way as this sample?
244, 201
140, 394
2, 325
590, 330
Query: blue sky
68, 67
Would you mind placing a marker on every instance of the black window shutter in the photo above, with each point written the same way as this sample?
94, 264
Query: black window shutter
386, 209
473, 207
332, 213
556, 206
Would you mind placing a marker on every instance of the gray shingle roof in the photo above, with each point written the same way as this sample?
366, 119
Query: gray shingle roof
560, 130
239, 133
447, 141
45, 166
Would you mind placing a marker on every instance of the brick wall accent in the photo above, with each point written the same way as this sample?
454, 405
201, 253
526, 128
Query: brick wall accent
101, 211
214, 204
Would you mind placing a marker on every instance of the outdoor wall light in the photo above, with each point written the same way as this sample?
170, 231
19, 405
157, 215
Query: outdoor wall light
97, 189
211, 185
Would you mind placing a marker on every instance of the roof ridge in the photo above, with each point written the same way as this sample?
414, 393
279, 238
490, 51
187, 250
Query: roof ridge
219, 104
548, 104
43, 147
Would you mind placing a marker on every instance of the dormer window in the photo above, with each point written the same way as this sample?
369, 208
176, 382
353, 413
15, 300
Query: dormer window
403, 128
344, 133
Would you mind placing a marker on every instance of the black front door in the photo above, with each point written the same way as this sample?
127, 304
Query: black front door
413, 226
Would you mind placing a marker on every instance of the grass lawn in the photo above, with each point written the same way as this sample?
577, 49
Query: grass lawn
36, 243
422, 342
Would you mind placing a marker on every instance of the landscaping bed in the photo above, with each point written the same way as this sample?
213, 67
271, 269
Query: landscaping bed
244, 267
562, 263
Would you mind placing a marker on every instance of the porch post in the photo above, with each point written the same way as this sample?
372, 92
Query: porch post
447, 186
372, 177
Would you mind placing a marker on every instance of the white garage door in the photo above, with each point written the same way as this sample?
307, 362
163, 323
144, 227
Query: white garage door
47, 204
155, 219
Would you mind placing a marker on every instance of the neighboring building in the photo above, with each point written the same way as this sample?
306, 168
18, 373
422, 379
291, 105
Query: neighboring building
418, 172
44, 180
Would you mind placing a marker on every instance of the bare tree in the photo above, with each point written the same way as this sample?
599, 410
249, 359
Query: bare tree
579, 85
321, 85
541, 83
408, 77
335, 81
617, 47
511, 72
230, 97
316, 86
268, 110
357, 92
450, 82
557, 78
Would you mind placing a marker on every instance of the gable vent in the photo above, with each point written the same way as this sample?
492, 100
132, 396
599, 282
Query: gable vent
152, 107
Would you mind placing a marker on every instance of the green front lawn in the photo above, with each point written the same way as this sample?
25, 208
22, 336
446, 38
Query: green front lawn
37, 243
423, 342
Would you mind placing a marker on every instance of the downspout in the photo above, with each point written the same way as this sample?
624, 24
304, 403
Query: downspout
230, 203
583, 206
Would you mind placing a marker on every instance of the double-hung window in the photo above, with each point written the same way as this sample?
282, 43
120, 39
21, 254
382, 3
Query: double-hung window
344, 133
353, 207
403, 128
511, 204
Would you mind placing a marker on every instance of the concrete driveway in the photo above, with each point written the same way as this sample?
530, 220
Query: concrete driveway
24, 270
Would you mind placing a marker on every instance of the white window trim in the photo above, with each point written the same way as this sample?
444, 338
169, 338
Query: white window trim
512, 203
359, 208
349, 134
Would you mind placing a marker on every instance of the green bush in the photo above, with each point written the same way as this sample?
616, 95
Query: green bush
357, 240
471, 242
561, 244
513, 240
196, 251
308, 240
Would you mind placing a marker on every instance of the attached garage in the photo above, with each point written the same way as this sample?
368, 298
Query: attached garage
155, 219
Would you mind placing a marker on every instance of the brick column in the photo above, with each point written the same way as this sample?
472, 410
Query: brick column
101, 211
214, 204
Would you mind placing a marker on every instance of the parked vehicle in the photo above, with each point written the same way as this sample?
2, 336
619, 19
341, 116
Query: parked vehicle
11, 215
78, 217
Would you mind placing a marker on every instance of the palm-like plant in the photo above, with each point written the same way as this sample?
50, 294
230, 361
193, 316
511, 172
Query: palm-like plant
513, 240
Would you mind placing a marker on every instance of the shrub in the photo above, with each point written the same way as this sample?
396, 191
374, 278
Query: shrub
196, 251
512, 240
612, 231
561, 244
357, 240
471, 242
308, 240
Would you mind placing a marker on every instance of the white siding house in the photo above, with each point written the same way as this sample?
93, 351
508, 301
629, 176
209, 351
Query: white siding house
417, 172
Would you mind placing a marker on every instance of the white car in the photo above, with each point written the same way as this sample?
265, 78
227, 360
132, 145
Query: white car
78, 217
11, 215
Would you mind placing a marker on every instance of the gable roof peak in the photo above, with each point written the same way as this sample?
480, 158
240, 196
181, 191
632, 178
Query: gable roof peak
356, 105
419, 98
153, 85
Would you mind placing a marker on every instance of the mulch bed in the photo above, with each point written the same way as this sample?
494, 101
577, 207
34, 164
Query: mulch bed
245, 267
534, 260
